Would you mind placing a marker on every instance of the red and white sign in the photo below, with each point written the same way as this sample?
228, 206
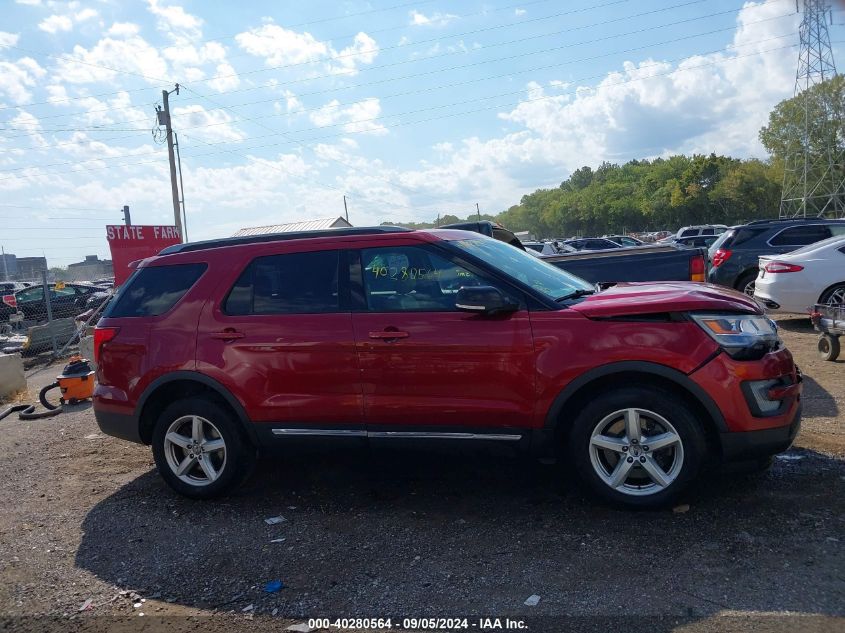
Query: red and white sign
134, 242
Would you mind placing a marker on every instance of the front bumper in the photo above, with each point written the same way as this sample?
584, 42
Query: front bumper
753, 444
749, 431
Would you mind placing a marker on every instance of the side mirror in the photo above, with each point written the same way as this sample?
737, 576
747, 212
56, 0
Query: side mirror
483, 300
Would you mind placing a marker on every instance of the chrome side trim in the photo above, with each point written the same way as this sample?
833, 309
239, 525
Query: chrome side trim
433, 435
437, 435
323, 432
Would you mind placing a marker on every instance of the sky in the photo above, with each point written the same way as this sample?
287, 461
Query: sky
409, 109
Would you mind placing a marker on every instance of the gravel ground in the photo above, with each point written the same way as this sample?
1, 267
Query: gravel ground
378, 533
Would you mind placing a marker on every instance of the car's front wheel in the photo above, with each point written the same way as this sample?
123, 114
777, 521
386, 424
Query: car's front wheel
637, 446
200, 450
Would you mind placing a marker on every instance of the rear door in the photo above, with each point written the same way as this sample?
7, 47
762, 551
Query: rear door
425, 364
280, 337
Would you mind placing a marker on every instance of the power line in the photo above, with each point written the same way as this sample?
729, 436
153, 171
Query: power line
464, 113
520, 55
450, 53
379, 118
402, 26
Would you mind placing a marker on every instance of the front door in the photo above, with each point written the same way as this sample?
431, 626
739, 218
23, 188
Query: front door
282, 341
423, 362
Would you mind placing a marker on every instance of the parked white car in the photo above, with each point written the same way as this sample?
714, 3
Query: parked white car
794, 281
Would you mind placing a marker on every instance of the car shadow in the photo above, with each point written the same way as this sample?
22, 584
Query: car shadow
817, 401
380, 532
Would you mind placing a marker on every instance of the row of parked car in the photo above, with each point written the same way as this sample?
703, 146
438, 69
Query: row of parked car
787, 264
67, 299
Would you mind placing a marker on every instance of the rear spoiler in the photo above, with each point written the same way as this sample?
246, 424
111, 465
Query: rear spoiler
489, 229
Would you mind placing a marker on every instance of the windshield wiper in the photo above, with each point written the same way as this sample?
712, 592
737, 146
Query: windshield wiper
582, 292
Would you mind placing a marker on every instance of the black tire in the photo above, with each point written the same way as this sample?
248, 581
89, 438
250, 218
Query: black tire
744, 280
829, 347
651, 400
232, 466
828, 294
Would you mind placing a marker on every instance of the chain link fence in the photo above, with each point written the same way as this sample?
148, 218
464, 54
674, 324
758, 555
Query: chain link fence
45, 320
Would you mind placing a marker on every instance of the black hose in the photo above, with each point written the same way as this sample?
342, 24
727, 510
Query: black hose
42, 397
27, 412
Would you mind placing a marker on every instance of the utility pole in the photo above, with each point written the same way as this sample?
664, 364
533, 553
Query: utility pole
345, 208
182, 189
5, 267
477, 211
813, 177
126, 219
164, 119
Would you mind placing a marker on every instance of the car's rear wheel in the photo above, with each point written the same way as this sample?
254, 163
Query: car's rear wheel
833, 295
745, 284
637, 446
199, 449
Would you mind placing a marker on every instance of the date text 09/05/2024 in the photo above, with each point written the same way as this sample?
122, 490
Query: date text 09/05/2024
419, 624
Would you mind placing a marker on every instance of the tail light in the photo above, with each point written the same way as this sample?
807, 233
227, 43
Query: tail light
103, 335
11, 301
782, 267
721, 256
696, 268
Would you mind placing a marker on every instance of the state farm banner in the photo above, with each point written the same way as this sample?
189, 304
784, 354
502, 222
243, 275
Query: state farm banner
136, 241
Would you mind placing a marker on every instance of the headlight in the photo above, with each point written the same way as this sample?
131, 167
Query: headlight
742, 336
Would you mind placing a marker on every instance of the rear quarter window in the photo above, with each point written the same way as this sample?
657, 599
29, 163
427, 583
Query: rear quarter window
155, 290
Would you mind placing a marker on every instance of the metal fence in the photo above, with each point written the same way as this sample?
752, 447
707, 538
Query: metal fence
46, 319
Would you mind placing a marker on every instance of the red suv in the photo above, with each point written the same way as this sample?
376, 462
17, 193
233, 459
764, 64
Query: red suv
214, 351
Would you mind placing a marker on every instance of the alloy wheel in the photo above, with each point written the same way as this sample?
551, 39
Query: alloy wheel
636, 452
749, 289
195, 450
836, 297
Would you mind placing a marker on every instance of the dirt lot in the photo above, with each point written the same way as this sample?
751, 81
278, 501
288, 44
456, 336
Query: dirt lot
384, 534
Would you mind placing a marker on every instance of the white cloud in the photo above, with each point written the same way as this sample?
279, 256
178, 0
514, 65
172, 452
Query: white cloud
56, 23
226, 78
280, 46
123, 29
8, 39
175, 22
132, 54
435, 19
354, 118
85, 14
519, 12
208, 125
32, 3
16, 78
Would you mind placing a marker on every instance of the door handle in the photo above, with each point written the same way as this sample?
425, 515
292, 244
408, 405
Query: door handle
227, 335
389, 334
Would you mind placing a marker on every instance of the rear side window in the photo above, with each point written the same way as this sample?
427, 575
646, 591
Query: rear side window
738, 237
800, 235
689, 232
294, 283
154, 290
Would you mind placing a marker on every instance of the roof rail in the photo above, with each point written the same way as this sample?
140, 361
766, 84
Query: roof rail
280, 237
793, 220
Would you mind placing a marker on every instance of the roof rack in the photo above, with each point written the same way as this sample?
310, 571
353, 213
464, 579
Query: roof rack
793, 220
280, 237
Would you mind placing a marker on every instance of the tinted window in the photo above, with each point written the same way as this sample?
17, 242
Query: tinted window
689, 232
737, 237
31, 294
294, 283
708, 232
407, 278
154, 290
800, 235
837, 229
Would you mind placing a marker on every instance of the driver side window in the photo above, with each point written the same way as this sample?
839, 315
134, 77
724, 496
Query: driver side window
412, 279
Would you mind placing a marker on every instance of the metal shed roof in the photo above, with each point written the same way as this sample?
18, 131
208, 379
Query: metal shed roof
308, 225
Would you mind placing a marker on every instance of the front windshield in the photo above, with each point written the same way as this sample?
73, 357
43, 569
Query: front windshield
543, 277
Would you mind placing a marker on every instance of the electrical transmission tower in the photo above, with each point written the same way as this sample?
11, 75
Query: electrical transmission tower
814, 169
